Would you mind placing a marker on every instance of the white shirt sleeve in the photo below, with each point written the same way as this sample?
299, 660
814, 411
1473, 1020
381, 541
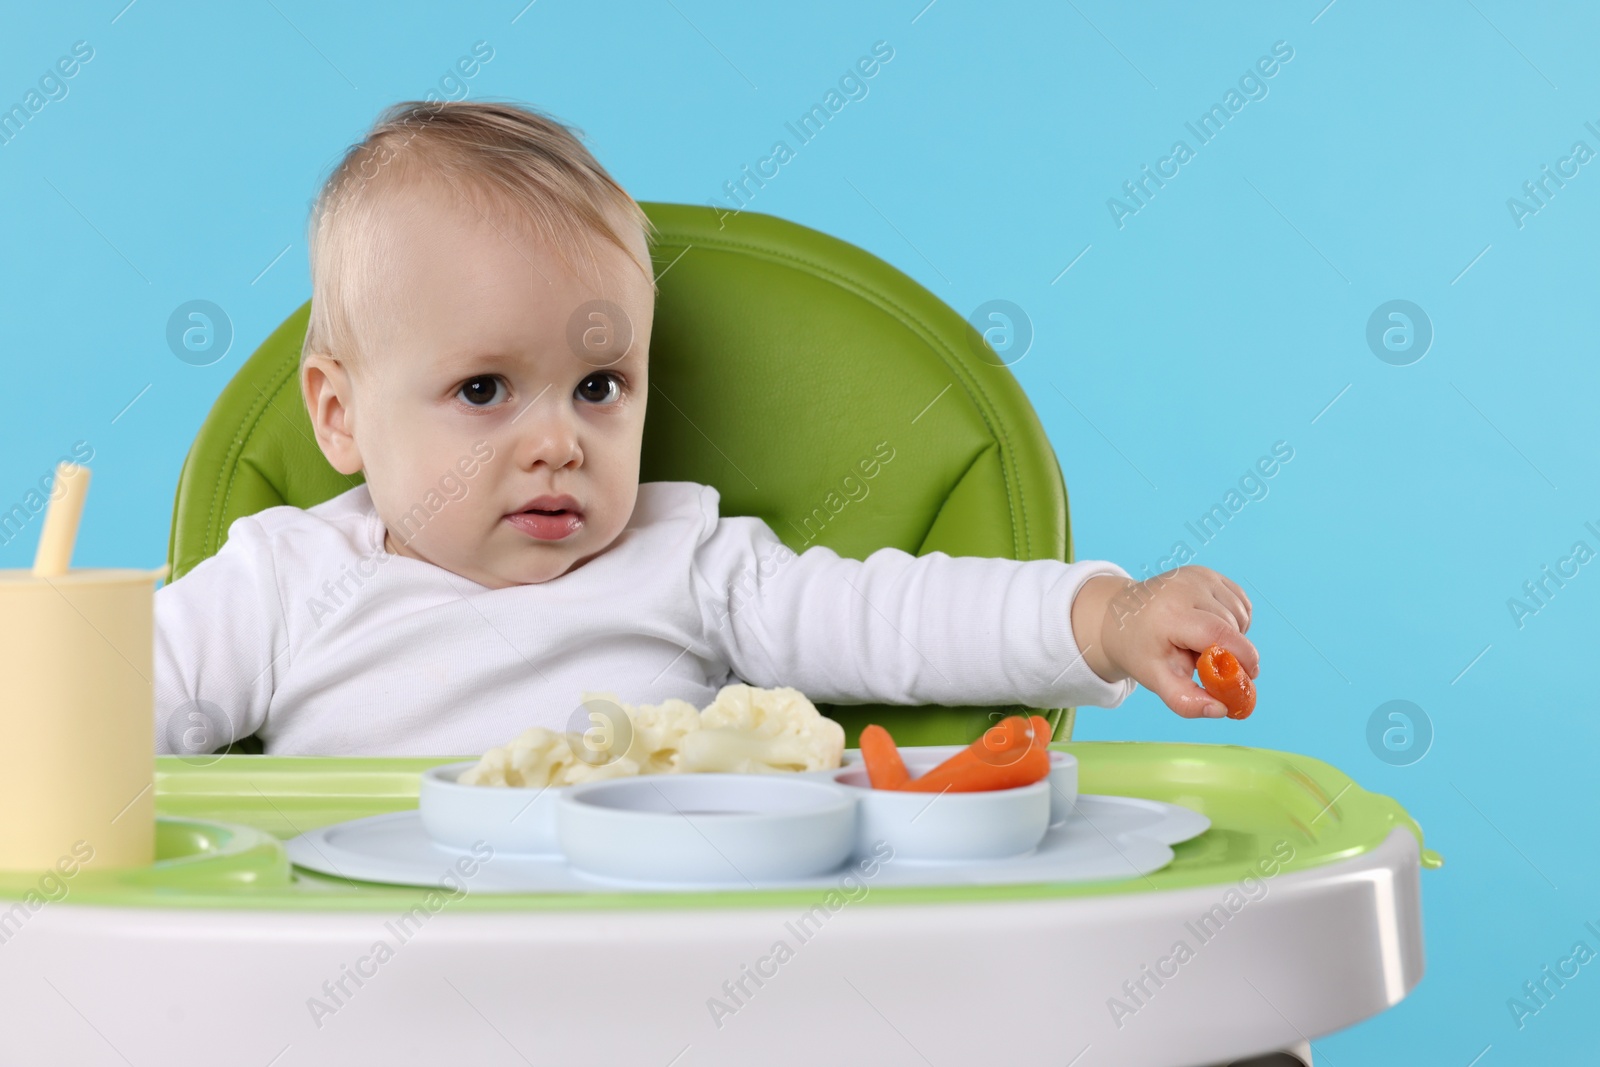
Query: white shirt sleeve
221, 645
896, 628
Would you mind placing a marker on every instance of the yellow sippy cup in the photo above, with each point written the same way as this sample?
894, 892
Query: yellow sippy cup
77, 740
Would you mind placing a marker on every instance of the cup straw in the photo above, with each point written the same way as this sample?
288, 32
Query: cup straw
60, 531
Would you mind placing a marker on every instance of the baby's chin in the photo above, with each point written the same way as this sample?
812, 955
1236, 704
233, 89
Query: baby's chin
532, 565
501, 570
503, 561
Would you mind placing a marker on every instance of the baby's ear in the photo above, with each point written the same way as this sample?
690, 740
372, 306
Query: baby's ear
326, 388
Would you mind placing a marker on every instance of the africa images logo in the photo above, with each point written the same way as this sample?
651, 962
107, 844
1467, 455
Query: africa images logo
1140, 190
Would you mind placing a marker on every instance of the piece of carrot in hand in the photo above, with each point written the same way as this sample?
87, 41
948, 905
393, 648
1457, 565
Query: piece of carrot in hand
885, 768
1224, 677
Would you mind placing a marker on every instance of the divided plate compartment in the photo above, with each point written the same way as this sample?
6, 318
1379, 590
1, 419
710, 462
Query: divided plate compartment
923, 758
725, 831
1106, 838
707, 828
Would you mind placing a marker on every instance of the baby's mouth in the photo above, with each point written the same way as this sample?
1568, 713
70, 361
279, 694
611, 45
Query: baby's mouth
548, 518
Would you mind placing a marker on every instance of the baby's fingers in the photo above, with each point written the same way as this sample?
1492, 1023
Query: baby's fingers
1233, 605
1233, 587
1179, 692
1200, 629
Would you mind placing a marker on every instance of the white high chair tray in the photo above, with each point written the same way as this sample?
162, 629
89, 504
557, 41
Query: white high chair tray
225, 969
1106, 837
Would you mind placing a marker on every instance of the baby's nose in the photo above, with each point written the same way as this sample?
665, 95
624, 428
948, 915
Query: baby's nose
548, 438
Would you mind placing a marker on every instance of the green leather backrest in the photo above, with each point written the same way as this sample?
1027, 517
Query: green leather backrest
810, 382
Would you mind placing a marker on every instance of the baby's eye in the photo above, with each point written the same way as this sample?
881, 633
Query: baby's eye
481, 391
600, 389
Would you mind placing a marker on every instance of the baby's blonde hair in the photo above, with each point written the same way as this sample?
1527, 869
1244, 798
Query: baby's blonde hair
496, 155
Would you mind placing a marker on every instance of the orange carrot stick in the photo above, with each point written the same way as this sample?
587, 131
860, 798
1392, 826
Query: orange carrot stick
1005, 756
979, 777
1000, 744
885, 768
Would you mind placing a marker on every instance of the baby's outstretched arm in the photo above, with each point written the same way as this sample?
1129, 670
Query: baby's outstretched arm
1153, 632
896, 628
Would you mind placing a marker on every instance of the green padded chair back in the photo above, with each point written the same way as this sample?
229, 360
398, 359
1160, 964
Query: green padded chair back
811, 383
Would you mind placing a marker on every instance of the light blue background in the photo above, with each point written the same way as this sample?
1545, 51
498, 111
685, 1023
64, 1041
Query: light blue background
1223, 317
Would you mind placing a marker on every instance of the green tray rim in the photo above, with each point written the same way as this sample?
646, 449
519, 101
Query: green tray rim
1329, 816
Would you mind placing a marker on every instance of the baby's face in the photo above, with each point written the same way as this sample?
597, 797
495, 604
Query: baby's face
495, 377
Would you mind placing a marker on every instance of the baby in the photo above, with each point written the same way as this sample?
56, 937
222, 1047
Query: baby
482, 300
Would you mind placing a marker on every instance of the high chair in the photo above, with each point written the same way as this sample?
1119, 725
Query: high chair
784, 365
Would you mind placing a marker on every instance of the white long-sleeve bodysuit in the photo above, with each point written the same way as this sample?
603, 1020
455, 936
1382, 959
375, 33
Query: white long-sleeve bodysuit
305, 630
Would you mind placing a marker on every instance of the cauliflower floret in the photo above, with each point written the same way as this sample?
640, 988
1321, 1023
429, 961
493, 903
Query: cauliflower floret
647, 737
751, 730
745, 730
536, 757
580, 771
489, 770
658, 731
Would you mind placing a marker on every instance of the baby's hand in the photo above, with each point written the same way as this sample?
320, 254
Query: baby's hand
1154, 631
